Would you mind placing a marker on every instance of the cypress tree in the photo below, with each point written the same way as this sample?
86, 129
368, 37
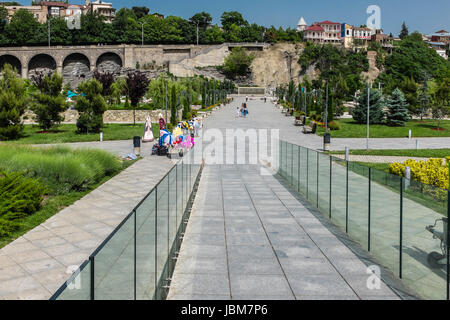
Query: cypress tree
173, 105
398, 109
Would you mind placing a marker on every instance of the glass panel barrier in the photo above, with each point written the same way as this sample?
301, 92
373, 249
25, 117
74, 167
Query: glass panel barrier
324, 184
114, 265
295, 167
303, 170
162, 240
339, 192
424, 239
78, 287
312, 176
145, 248
385, 203
358, 203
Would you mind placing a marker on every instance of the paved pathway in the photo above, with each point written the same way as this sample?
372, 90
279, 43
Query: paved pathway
249, 238
35, 265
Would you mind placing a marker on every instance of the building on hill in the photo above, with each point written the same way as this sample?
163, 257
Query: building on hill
324, 32
332, 31
44, 9
314, 33
441, 36
302, 25
103, 8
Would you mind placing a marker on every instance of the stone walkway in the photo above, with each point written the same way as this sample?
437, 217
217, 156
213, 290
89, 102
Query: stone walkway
36, 265
249, 238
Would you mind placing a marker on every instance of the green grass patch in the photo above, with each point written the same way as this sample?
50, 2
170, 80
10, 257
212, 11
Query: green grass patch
427, 128
67, 133
52, 205
421, 153
60, 168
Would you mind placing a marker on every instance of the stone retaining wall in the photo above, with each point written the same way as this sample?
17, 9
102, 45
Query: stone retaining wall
110, 116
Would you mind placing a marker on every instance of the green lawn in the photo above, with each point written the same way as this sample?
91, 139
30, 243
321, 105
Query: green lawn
351, 129
67, 133
53, 205
421, 153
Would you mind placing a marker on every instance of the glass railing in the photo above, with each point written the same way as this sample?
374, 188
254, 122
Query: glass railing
137, 260
402, 223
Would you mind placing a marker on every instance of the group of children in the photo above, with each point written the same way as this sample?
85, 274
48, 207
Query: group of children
242, 111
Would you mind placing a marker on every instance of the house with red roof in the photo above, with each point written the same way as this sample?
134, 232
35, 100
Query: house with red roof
324, 32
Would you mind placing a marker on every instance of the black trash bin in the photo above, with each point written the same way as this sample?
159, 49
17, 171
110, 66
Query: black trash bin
326, 141
137, 145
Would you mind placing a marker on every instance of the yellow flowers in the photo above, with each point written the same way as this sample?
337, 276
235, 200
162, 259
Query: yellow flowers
432, 172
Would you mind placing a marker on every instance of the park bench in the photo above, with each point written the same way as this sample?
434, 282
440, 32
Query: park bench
310, 129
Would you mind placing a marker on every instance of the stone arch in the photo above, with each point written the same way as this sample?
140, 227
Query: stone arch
12, 60
76, 68
41, 62
109, 62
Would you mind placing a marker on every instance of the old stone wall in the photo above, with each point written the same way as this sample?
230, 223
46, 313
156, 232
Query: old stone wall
110, 116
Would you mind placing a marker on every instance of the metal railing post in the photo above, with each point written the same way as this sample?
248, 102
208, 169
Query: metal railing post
135, 255
400, 261
92, 289
369, 210
156, 243
331, 182
448, 246
299, 166
317, 179
346, 199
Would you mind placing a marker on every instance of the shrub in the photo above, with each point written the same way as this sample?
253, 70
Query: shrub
21, 196
91, 105
431, 172
61, 169
334, 125
49, 102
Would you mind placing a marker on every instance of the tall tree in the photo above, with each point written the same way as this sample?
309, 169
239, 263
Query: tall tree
140, 11
49, 102
106, 79
441, 100
404, 32
398, 109
91, 106
173, 105
13, 102
229, 18
137, 84
375, 108
202, 19
22, 27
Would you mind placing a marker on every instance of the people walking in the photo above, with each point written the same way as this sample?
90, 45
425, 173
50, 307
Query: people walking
238, 112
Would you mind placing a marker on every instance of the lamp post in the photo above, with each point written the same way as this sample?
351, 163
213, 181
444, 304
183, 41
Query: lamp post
48, 28
142, 32
197, 30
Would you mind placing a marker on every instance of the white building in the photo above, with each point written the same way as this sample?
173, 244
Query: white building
302, 25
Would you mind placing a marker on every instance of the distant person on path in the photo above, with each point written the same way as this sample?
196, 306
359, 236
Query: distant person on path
244, 110
265, 99
246, 98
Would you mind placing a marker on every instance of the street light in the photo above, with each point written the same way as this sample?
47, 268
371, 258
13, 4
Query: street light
48, 28
142, 32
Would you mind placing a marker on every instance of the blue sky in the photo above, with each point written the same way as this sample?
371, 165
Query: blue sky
424, 16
